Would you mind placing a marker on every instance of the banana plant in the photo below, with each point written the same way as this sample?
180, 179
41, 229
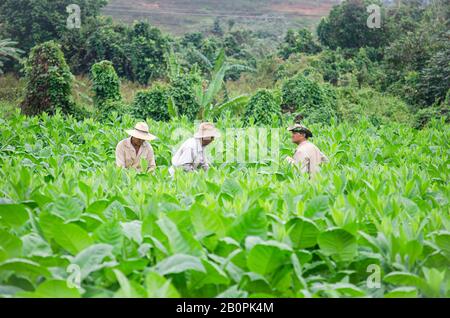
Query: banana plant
206, 95
8, 50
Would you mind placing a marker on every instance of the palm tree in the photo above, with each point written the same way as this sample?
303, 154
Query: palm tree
8, 51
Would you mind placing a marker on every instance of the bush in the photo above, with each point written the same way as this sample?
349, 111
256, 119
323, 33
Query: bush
262, 108
49, 81
380, 108
426, 115
152, 103
313, 100
112, 110
183, 88
106, 84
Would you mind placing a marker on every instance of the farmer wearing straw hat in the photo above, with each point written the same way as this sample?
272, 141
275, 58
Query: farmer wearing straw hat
130, 151
191, 155
307, 155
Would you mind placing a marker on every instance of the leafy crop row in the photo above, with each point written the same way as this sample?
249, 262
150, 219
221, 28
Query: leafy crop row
69, 216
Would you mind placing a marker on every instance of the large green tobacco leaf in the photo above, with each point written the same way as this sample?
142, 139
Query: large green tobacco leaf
339, 244
133, 231
13, 215
213, 275
265, 257
207, 222
249, 223
52, 289
71, 237
404, 279
303, 232
35, 245
180, 241
316, 206
179, 263
127, 289
94, 258
10, 244
159, 287
402, 292
68, 208
110, 233
24, 267
442, 240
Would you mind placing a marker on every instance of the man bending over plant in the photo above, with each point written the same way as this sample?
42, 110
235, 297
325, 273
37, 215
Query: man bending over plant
191, 155
307, 155
130, 151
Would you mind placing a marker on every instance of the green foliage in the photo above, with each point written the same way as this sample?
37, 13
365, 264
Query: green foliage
298, 42
33, 22
111, 110
217, 28
147, 52
183, 89
262, 109
236, 230
437, 112
355, 104
313, 100
333, 66
105, 84
152, 103
49, 81
105, 40
8, 50
416, 62
346, 27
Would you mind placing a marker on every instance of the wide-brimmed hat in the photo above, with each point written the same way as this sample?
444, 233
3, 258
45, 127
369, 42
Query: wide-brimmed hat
207, 130
301, 129
140, 131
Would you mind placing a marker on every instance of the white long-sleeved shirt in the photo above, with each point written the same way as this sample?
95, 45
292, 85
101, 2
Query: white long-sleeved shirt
126, 156
191, 155
309, 157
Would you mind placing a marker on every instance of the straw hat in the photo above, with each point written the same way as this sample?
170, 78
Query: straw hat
140, 131
207, 130
301, 129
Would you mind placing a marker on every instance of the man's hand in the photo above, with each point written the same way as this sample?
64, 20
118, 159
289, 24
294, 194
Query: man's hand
290, 160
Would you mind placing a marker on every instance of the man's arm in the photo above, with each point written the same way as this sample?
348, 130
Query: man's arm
151, 160
324, 158
120, 156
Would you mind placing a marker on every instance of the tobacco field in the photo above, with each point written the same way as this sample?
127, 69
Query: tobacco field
374, 223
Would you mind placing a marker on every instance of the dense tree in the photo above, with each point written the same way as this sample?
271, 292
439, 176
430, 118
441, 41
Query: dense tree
109, 42
152, 103
346, 27
417, 62
262, 108
301, 41
105, 83
147, 51
49, 81
183, 90
195, 39
31, 22
309, 98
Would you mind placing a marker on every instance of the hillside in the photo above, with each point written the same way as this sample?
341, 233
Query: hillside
273, 17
